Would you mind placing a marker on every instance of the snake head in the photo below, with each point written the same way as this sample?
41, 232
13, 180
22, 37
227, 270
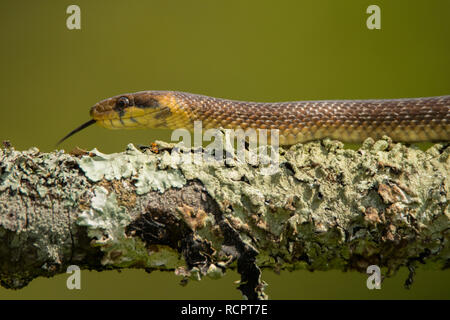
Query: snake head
146, 109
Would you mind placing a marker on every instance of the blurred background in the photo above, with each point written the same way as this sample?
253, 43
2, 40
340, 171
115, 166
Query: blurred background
247, 50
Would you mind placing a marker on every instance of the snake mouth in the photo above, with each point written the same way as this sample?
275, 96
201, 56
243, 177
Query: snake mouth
132, 118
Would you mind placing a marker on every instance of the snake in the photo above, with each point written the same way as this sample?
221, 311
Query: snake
352, 121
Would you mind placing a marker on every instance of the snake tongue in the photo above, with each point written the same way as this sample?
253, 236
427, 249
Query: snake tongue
83, 126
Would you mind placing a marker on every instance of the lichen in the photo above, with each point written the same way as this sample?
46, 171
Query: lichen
323, 189
36, 211
106, 221
327, 207
131, 163
151, 178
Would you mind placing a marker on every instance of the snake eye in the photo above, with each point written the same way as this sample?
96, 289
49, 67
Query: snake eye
122, 102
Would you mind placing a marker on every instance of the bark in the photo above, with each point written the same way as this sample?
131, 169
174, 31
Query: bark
326, 207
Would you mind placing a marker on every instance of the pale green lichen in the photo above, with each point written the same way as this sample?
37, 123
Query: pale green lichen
151, 178
131, 163
314, 213
36, 212
113, 166
321, 190
106, 222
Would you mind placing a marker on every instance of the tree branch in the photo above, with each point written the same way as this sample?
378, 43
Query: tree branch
326, 208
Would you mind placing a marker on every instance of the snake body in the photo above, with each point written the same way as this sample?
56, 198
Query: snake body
406, 120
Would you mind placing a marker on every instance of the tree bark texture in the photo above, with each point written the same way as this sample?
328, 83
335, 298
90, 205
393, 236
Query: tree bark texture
327, 207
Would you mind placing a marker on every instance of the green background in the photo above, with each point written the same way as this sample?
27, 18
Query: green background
248, 50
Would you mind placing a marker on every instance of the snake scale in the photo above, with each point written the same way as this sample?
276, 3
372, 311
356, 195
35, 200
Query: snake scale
404, 120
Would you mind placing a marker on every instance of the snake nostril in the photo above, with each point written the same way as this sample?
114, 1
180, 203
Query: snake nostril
96, 109
91, 112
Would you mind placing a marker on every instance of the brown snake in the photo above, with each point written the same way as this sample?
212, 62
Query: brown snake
405, 120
